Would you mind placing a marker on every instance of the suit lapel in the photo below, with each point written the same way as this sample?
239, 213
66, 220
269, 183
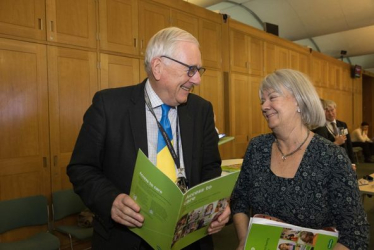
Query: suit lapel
138, 119
186, 127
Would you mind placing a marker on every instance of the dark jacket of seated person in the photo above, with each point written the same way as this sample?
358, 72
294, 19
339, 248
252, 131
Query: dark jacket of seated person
347, 145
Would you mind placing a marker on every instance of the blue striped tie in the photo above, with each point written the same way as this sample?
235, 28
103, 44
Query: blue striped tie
165, 161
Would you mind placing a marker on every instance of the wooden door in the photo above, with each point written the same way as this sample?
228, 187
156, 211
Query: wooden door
72, 22
186, 22
304, 63
24, 19
283, 58
334, 76
119, 26
239, 113
271, 59
72, 83
239, 54
152, 18
211, 89
256, 56
118, 71
346, 79
258, 124
24, 149
142, 73
294, 60
319, 72
210, 43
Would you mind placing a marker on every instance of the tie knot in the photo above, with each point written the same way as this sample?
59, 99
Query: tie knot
165, 109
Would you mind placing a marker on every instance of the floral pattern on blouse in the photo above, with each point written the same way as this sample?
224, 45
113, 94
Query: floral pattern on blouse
323, 193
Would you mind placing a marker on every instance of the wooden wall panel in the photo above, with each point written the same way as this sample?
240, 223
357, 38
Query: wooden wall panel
72, 84
24, 136
118, 71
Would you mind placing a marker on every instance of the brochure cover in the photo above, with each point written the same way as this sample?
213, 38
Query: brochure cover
275, 235
231, 165
225, 139
173, 220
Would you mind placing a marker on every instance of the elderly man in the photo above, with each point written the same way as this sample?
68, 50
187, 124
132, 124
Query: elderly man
335, 130
121, 121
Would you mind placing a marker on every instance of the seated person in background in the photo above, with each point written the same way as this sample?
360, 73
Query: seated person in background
330, 130
360, 139
295, 175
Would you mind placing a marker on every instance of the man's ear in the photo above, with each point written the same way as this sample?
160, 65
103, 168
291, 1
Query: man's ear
157, 67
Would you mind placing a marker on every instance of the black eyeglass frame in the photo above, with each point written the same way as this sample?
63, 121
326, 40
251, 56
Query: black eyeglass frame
191, 69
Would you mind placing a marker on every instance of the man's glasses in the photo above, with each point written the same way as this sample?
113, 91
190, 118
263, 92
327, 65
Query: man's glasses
191, 69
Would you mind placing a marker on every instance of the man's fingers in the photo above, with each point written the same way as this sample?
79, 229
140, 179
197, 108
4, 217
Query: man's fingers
126, 212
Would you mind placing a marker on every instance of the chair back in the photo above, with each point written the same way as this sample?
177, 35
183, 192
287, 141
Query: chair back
65, 203
23, 212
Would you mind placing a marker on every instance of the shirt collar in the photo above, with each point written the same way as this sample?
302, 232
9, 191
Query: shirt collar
153, 97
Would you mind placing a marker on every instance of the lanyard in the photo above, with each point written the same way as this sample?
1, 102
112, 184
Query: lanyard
181, 180
164, 134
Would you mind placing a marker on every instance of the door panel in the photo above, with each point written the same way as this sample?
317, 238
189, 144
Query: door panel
24, 150
73, 82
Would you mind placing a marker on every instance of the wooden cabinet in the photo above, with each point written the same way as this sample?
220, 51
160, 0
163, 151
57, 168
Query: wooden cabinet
304, 64
24, 133
239, 113
299, 61
246, 53
335, 76
152, 18
186, 22
239, 50
72, 84
24, 19
210, 43
319, 72
270, 57
282, 55
211, 89
346, 79
294, 60
119, 26
118, 71
72, 22
258, 123
246, 119
256, 56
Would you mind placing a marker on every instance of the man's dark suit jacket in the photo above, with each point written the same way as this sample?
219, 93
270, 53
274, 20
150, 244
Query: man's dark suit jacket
324, 132
104, 156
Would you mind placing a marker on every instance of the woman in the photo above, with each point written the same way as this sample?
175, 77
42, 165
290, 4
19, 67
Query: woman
294, 174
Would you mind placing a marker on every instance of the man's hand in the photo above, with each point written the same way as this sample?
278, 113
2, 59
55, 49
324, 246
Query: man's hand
126, 212
216, 225
340, 139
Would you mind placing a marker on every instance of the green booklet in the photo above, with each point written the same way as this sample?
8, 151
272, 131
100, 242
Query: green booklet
269, 234
174, 220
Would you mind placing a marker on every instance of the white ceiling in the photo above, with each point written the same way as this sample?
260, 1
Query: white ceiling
328, 26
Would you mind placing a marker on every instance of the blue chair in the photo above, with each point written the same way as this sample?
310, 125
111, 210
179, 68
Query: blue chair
23, 212
66, 203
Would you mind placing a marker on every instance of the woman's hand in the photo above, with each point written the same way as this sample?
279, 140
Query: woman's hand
216, 225
339, 246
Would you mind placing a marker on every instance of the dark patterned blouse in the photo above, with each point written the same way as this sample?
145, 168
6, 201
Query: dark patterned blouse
323, 193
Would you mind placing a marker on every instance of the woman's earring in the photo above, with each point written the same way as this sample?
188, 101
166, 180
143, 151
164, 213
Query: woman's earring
298, 110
